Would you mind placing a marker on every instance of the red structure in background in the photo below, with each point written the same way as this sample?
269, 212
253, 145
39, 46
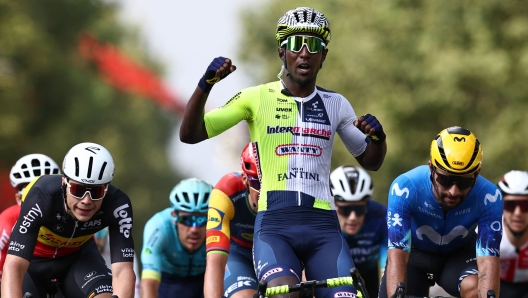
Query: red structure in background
127, 75
7, 192
119, 71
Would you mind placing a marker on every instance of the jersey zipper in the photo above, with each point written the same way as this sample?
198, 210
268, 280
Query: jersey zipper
190, 265
69, 240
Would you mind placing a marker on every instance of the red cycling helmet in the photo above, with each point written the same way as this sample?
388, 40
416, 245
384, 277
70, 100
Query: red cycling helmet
248, 160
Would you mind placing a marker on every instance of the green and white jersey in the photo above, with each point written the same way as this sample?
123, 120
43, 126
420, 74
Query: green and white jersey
294, 139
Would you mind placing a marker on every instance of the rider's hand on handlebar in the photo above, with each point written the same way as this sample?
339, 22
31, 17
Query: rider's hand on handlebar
218, 69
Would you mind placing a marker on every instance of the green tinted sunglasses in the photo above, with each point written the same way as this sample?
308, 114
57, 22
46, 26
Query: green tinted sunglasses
295, 43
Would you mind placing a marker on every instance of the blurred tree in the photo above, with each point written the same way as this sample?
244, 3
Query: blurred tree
419, 66
52, 99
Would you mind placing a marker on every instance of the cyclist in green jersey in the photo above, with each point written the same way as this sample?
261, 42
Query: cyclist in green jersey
292, 123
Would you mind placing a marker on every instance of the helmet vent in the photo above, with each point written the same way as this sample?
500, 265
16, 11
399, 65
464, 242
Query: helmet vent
35, 163
102, 171
186, 197
90, 164
76, 167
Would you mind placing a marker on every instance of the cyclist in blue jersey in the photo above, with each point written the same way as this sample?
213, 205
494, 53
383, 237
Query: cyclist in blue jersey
432, 214
363, 222
173, 254
293, 124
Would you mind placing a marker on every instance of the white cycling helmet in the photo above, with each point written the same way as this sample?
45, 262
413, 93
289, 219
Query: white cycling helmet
89, 163
514, 183
351, 183
30, 167
191, 195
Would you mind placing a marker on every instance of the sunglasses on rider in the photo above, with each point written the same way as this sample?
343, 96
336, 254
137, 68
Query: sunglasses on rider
192, 220
295, 43
346, 210
254, 182
448, 181
96, 192
511, 205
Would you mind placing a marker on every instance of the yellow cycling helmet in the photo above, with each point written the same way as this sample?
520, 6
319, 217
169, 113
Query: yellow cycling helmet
457, 151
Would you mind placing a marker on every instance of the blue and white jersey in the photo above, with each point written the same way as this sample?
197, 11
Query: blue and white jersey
415, 219
163, 252
369, 245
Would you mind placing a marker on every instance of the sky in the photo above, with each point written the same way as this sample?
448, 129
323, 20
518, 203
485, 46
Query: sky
186, 36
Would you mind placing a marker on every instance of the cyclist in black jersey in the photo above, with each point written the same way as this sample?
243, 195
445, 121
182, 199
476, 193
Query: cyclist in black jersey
53, 237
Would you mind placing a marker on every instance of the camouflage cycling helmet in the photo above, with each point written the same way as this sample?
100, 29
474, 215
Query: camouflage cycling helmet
191, 195
303, 20
31, 166
457, 151
514, 183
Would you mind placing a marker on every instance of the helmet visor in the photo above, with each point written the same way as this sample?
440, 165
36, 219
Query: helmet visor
295, 43
96, 192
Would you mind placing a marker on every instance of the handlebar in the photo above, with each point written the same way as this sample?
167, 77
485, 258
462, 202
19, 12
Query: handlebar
354, 279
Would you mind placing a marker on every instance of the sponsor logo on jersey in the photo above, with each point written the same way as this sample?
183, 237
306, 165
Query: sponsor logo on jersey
4, 239
91, 224
463, 211
282, 100
214, 218
125, 224
271, 272
244, 226
58, 228
89, 275
345, 294
104, 289
127, 252
235, 97
212, 239
296, 149
400, 192
49, 238
32, 215
492, 198
247, 236
438, 239
15, 246
236, 285
430, 213
300, 131
298, 173
288, 110
393, 221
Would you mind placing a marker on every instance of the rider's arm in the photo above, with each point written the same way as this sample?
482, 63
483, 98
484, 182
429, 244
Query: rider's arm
214, 275
192, 129
149, 288
373, 157
123, 277
151, 256
369, 155
221, 211
396, 270
488, 275
14, 270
